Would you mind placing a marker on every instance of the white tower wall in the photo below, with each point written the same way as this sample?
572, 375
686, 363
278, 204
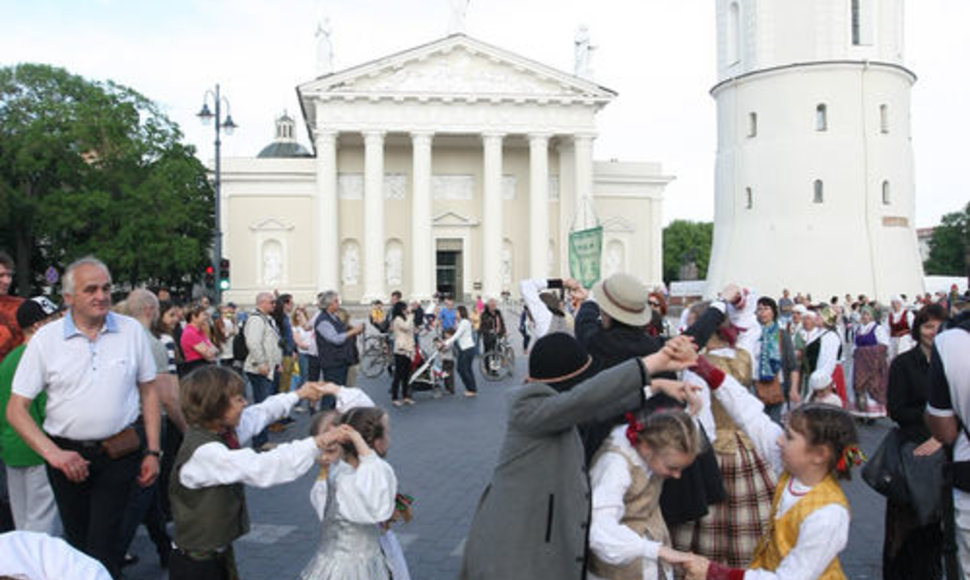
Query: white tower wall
777, 63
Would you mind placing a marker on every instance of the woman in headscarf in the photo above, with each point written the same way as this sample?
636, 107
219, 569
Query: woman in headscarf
870, 368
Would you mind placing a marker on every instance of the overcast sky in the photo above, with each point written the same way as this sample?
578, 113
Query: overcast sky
658, 55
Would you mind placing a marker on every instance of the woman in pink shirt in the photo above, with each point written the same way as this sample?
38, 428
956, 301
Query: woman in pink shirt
196, 347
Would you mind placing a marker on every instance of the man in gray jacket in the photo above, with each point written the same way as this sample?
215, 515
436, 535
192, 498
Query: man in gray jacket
265, 355
532, 518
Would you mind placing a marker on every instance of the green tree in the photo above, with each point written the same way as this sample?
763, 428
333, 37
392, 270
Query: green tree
90, 167
684, 242
950, 245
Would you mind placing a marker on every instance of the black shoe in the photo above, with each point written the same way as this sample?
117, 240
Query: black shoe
164, 553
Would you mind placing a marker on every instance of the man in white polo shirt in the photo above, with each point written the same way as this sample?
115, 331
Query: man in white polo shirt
97, 369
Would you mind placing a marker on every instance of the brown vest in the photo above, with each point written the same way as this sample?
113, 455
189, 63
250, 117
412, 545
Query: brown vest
641, 513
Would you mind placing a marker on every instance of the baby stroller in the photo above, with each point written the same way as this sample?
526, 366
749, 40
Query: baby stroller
426, 372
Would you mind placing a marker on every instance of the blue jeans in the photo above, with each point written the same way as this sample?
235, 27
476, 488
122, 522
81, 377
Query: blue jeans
465, 358
338, 376
262, 389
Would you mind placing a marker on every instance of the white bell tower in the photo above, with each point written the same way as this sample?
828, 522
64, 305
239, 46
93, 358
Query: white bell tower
814, 187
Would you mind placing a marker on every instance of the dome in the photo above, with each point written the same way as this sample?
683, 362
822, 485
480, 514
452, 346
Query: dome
285, 144
284, 149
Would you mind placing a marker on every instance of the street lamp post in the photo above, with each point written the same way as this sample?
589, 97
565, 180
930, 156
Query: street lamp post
206, 115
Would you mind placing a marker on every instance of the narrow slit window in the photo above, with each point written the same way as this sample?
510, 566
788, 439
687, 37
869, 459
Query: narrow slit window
885, 192
856, 29
752, 124
734, 34
821, 117
748, 198
884, 118
818, 194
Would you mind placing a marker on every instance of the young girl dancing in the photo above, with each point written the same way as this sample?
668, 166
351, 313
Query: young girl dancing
627, 536
810, 514
208, 502
357, 494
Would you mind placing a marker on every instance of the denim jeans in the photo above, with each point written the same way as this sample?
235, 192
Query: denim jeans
465, 358
262, 389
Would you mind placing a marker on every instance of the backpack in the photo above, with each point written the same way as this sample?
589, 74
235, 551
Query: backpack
240, 350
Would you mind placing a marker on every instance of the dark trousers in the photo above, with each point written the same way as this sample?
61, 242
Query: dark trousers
218, 567
910, 550
402, 368
262, 389
92, 510
336, 375
170, 447
448, 366
145, 507
313, 368
465, 358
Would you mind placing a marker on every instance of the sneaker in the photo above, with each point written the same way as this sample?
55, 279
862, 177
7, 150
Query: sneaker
409, 401
471, 394
396, 403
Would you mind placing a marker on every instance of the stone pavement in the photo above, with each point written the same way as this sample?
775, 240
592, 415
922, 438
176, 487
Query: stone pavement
443, 451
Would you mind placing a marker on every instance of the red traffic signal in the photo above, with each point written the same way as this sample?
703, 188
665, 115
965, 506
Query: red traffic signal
209, 271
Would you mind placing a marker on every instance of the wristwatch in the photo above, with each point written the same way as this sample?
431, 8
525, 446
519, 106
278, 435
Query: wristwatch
154, 452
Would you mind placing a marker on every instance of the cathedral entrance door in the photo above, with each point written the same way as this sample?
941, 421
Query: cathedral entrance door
448, 268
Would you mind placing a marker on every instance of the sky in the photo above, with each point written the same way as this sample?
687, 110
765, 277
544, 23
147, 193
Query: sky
659, 55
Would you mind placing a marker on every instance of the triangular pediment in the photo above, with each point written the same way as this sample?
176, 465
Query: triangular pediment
452, 219
270, 224
457, 66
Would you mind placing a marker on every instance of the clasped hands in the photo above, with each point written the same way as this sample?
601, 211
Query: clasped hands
314, 391
693, 565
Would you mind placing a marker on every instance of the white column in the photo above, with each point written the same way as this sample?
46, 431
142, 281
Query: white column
583, 150
538, 205
373, 216
422, 264
492, 215
326, 230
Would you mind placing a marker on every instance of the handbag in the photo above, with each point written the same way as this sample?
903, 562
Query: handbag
769, 392
894, 472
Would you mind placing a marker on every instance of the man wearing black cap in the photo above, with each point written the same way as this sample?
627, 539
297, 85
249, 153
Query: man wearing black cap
532, 519
31, 497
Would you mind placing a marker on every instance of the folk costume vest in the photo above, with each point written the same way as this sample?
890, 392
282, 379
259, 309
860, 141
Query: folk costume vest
899, 327
209, 518
783, 533
641, 513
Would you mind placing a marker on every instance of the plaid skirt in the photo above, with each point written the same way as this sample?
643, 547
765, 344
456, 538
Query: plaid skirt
731, 530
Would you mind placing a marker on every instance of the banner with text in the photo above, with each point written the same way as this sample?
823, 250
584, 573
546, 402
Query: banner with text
585, 250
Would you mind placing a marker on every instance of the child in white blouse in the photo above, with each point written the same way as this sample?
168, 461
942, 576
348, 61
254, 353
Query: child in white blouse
810, 514
628, 537
356, 495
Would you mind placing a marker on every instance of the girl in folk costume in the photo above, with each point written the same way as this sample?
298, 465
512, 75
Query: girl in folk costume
357, 494
870, 366
628, 538
732, 529
822, 353
810, 514
900, 325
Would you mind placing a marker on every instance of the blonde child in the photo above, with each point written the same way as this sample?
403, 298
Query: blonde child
628, 537
206, 489
357, 494
810, 514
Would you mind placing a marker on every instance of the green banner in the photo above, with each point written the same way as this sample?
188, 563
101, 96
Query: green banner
585, 250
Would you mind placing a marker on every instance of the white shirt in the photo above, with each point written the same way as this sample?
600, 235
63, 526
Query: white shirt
92, 386
529, 289
609, 479
37, 556
463, 335
822, 534
365, 495
828, 354
215, 464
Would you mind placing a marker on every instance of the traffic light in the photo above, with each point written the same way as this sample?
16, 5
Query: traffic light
210, 274
224, 274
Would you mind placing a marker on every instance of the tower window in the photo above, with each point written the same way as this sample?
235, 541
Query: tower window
734, 34
862, 22
884, 118
819, 193
748, 198
821, 117
752, 124
885, 192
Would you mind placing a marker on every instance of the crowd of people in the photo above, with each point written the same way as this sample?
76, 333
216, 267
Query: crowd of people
634, 448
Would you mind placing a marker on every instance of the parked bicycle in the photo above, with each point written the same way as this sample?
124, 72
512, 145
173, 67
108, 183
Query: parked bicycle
376, 356
498, 363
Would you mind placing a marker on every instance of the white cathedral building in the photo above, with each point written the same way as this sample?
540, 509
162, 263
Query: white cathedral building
455, 166
814, 184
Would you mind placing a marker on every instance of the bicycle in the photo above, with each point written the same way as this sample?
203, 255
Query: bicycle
376, 356
498, 363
